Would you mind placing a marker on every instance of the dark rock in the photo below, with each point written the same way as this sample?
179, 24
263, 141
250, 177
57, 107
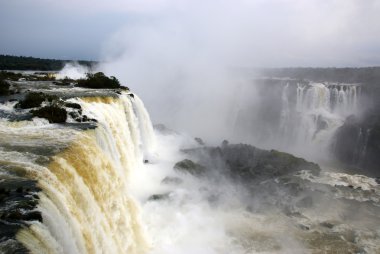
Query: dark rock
73, 105
357, 143
172, 180
188, 166
199, 141
34, 99
327, 224
157, 197
146, 161
53, 113
131, 95
164, 130
4, 87
32, 216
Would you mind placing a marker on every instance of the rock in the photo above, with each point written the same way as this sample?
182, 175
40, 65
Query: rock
188, 166
146, 161
34, 99
4, 87
357, 144
73, 105
172, 180
157, 197
131, 95
32, 216
164, 130
199, 141
53, 114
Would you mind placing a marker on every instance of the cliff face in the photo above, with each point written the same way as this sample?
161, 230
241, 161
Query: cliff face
66, 155
357, 143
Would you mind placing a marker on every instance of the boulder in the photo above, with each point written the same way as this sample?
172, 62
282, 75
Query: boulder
190, 167
35, 99
53, 113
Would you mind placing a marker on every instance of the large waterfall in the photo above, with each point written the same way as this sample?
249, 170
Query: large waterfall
318, 111
298, 117
84, 196
113, 184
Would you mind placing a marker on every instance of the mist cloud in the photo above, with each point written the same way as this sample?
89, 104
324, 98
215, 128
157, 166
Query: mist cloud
181, 57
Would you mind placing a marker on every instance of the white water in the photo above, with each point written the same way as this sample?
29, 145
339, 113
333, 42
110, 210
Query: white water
95, 193
85, 200
308, 127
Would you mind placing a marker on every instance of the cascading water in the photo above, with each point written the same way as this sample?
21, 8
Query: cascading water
319, 109
84, 201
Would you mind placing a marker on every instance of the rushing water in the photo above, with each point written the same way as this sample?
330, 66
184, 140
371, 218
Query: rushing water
112, 189
300, 118
84, 200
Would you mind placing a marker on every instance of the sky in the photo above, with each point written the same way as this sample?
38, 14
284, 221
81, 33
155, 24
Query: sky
269, 33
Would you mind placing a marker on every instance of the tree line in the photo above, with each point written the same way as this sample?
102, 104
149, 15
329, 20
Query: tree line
8, 62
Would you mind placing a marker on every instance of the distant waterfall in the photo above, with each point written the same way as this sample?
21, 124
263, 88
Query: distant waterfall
319, 109
84, 199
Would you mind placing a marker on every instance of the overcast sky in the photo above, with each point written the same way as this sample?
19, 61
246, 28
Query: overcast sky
242, 32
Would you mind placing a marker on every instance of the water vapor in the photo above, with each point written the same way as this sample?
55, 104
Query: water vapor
182, 58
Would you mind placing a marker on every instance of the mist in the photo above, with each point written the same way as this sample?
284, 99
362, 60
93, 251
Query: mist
184, 59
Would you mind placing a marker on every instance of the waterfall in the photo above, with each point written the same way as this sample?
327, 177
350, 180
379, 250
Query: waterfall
84, 201
318, 111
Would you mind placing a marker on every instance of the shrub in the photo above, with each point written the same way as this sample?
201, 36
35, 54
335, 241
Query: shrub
34, 99
99, 80
4, 87
52, 113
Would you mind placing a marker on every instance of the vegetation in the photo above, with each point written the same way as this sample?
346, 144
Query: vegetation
4, 87
34, 99
53, 113
8, 62
188, 166
99, 81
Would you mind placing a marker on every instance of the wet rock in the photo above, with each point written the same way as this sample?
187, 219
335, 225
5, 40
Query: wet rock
73, 105
157, 197
35, 99
172, 180
188, 166
53, 113
199, 141
327, 224
4, 88
164, 130
32, 216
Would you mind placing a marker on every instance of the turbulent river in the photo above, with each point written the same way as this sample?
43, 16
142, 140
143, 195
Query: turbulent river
109, 186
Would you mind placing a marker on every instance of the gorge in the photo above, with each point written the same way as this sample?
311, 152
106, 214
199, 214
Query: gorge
106, 181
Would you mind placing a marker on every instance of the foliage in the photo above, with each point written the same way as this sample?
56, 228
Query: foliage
8, 62
4, 87
52, 113
99, 81
34, 99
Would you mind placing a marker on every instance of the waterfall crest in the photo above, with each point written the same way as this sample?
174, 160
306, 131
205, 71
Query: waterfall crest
84, 199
